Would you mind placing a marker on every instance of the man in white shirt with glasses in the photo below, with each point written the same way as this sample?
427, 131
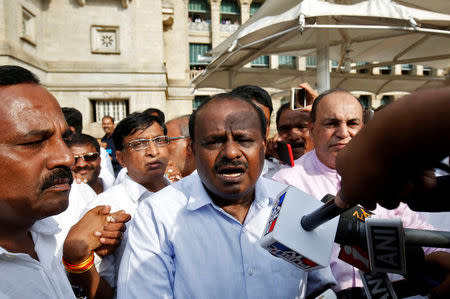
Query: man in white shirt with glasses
141, 143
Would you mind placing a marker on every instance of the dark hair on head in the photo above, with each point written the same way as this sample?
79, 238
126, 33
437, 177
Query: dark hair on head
73, 118
157, 111
108, 116
182, 126
280, 110
13, 74
83, 139
227, 96
132, 123
250, 92
324, 94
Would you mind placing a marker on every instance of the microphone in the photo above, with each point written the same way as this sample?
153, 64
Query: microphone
307, 248
385, 241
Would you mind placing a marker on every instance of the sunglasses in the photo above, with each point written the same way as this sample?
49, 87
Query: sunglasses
89, 157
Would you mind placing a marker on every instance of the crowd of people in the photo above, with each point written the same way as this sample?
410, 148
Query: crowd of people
158, 209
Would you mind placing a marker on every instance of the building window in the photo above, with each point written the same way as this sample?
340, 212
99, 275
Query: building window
28, 26
261, 61
334, 64
386, 100
287, 62
194, 51
385, 70
365, 100
427, 71
363, 70
230, 13
407, 69
105, 39
117, 108
254, 7
198, 100
311, 62
199, 15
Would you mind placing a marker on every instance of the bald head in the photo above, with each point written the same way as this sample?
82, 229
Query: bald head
336, 117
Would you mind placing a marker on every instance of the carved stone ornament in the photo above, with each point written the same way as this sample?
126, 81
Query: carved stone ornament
125, 3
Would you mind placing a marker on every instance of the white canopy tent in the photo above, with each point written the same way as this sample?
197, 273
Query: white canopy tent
284, 79
381, 31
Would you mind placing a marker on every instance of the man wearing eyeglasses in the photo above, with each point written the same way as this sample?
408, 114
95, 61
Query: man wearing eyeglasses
142, 147
181, 156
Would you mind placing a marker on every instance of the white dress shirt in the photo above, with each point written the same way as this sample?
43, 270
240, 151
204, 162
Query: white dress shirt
125, 196
24, 277
182, 245
79, 197
106, 169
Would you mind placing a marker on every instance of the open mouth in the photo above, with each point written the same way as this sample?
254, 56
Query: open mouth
298, 145
231, 172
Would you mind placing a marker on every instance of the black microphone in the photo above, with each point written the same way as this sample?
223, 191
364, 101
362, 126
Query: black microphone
385, 240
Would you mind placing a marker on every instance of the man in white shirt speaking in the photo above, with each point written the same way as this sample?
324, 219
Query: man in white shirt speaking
199, 238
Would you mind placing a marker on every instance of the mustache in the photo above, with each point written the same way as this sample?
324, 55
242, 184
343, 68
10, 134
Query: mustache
225, 163
54, 178
87, 167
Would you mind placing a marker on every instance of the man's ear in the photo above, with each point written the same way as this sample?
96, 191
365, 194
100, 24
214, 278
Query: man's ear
189, 149
310, 127
120, 158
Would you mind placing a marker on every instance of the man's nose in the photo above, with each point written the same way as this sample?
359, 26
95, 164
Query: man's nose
342, 131
152, 149
231, 150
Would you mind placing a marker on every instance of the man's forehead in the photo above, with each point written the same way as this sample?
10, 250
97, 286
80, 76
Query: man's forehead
234, 115
340, 104
153, 130
294, 115
86, 147
29, 108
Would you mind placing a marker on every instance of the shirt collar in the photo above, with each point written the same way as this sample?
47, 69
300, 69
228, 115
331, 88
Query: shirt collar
47, 226
199, 197
135, 190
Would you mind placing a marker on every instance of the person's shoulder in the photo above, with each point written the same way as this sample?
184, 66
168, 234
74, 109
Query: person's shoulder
172, 197
273, 188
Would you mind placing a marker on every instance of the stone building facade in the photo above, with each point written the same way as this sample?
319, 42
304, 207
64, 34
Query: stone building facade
114, 57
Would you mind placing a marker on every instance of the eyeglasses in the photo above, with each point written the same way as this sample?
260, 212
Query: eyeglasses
143, 143
178, 137
89, 157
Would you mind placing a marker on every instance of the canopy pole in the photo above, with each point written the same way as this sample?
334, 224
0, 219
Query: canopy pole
323, 60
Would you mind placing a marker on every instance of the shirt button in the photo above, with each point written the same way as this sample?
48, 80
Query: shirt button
250, 271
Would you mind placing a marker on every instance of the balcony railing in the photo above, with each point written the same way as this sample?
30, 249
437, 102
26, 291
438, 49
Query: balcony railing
199, 26
228, 27
194, 73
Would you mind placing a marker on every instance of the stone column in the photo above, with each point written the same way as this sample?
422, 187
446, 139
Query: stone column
215, 22
245, 10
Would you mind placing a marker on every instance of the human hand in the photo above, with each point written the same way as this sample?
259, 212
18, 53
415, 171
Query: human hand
311, 95
172, 172
96, 230
272, 145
